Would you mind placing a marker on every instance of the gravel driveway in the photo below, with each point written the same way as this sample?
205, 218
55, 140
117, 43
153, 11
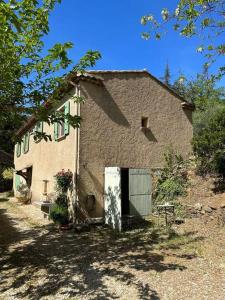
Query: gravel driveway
39, 262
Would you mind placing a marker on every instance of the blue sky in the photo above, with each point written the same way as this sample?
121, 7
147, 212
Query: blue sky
114, 29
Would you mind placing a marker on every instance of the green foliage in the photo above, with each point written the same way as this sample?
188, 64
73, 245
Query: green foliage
28, 77
59, 215
209, 144
172, 181
63, 180
25, 193
5, 184
8, 174
208, 120
170, 189
201, 91
62, 200
167, 76
201, 117
197, 17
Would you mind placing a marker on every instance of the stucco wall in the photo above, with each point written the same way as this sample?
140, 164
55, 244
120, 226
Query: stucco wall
47, 158
111, 132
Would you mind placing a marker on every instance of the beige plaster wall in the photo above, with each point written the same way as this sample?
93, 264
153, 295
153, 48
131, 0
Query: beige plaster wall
111, 132
47, 158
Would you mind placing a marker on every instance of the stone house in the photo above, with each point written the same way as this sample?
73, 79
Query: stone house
129, 119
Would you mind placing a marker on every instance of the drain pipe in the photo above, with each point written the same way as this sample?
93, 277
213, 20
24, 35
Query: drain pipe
76, 161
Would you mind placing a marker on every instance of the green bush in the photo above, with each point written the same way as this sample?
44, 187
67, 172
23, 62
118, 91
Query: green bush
170, 189
62, 200
59, 215
172, 181
209, 145
8, 174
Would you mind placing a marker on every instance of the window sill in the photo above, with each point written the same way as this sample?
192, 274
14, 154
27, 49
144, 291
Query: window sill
144, 128
61, 138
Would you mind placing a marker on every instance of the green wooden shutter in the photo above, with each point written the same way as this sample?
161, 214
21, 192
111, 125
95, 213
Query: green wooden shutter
67, 111
18, 149
55, 131
39, 127
17, 181
23, 143
140, 188
26, 142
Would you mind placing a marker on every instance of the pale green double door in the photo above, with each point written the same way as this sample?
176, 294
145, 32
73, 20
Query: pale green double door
139, 195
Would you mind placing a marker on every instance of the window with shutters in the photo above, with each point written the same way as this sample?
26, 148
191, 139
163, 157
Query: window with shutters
26, 140
38, 128
62, 129
61, 126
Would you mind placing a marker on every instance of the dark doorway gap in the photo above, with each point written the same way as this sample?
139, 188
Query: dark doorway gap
125, 191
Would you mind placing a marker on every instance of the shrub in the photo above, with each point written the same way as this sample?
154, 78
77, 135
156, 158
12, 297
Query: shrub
25, 194
59, 215
172, 181
169, 190
6, 181
62, 200
8, 174
209, 145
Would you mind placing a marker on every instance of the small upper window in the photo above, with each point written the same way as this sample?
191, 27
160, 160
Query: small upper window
144, 122
61, 129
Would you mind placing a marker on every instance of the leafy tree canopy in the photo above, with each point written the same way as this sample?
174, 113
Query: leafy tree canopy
166, 79
202, 90
208, 120
203, 18
28, 77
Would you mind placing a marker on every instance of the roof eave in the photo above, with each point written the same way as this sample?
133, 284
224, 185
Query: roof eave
72, 79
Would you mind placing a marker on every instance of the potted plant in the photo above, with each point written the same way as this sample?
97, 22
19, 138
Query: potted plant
64, 180
60, 216
59, 212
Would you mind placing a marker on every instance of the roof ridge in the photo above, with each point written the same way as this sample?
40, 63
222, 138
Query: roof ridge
117, 71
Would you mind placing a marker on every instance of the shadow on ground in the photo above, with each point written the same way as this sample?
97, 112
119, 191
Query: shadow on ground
4, 199
43, 261
219, 186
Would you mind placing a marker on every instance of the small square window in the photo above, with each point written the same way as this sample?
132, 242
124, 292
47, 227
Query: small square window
144, 122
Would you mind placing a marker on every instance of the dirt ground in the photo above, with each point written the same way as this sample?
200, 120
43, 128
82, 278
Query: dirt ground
39, 262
